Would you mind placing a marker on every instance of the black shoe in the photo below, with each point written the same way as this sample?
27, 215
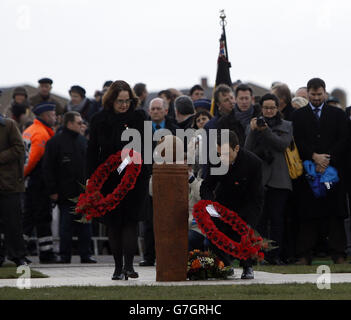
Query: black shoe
19, 262
118, 275
248, 273
231, 272
131, 274
27, 260
88, 260
49, 258
146, 263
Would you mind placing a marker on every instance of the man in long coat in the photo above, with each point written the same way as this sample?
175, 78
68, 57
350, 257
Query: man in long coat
320, 133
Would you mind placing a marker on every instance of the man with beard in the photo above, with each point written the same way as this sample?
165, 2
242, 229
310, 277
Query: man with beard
320, 133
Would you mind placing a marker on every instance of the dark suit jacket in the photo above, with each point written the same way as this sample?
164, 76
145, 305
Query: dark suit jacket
326, 135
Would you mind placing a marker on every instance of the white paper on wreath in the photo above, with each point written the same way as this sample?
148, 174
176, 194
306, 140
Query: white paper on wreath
212, 211
123, 165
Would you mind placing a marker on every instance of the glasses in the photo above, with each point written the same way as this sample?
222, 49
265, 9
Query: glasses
120, 102
79, 122
269, 108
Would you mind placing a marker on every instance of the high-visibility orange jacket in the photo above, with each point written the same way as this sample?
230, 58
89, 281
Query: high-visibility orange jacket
35, 138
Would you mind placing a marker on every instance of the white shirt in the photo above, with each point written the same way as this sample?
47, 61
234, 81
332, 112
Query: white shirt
320, 109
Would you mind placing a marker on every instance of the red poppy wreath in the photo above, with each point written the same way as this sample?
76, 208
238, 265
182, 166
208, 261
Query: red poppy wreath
92, 203
250, 245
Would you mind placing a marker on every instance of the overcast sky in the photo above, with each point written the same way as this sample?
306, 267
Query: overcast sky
173, 43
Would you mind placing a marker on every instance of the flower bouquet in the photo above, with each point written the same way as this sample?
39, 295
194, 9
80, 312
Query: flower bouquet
206, 265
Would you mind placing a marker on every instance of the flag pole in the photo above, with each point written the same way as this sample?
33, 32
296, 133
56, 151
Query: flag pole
223, 23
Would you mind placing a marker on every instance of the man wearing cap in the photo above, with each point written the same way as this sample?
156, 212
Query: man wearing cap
19, 109
37, 202
202, 105
79, 102
44, 95
185, 111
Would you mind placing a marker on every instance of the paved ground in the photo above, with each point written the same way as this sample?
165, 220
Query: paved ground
76, 274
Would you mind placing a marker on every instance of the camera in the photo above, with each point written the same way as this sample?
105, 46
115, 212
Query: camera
260, 121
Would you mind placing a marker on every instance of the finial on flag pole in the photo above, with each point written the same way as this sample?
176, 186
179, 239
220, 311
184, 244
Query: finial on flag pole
222, 16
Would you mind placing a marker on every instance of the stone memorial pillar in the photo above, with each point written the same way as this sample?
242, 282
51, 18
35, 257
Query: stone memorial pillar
170, 205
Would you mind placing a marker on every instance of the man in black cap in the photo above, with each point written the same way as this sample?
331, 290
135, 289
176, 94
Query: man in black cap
202, 105
19, 110
44, 95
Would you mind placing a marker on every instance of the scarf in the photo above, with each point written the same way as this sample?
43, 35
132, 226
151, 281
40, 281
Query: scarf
274, 121
243, 117
78, 107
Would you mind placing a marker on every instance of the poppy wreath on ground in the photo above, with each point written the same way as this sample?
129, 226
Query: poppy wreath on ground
251, 244
92, 203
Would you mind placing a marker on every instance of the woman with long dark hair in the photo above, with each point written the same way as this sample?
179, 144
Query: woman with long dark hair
106, 129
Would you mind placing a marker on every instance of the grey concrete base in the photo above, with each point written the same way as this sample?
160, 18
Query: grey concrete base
77, 274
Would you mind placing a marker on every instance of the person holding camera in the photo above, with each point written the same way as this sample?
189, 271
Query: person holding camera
268, 136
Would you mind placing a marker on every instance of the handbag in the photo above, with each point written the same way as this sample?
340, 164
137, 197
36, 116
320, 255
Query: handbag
293, 161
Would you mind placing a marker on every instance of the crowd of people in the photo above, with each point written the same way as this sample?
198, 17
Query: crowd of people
49, 151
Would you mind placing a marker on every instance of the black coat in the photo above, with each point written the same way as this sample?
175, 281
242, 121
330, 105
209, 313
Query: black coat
326, 135
186, 124
348, 168
287, 112
64, 164
86, 110
240, 190
105, 139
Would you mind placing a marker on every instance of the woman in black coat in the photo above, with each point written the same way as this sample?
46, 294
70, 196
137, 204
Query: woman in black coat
106, 129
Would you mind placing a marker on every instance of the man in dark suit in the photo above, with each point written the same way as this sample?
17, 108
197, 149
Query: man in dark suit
320, 133
157, 112
240, 190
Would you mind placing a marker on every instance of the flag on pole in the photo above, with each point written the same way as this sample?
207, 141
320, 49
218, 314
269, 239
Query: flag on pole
223, 64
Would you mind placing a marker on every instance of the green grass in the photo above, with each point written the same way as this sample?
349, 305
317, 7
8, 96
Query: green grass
303, 269
292, 269
227, 292
9, 271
